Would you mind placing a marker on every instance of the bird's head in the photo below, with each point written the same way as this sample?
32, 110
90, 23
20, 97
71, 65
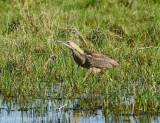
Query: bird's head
72, 46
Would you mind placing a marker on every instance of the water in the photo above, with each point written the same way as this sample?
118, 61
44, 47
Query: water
53, 110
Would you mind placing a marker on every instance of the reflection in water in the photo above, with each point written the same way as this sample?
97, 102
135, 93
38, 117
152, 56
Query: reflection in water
62, 111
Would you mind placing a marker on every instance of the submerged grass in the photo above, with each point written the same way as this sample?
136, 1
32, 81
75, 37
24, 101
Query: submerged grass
126, 31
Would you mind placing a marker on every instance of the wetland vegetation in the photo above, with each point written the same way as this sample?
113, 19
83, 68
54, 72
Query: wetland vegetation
33, 65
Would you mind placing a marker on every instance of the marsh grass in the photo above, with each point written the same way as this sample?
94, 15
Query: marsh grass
126, 31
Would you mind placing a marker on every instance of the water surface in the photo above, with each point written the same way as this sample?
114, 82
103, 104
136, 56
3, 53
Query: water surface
54, 110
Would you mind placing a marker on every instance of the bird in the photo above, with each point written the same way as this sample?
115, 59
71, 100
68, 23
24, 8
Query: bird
93, 61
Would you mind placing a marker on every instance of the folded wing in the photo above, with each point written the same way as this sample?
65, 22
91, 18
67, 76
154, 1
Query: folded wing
99, 60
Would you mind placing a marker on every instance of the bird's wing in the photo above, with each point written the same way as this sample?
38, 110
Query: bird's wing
99, 60
96, 54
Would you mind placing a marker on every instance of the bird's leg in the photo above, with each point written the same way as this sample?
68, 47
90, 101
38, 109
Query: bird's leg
88, 71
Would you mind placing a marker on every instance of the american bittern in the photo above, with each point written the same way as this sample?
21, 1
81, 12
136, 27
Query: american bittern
91, 60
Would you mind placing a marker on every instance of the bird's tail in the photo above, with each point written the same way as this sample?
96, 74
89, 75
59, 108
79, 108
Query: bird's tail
114, 63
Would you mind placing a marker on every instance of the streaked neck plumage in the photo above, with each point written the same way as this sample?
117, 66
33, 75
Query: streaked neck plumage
79, 56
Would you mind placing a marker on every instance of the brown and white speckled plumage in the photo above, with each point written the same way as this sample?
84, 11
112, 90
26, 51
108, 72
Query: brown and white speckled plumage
99, 60
89, 59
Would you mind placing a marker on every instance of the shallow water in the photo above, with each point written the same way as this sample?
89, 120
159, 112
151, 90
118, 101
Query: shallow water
53, 110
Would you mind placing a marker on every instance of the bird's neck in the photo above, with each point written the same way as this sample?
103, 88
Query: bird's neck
79, 50
79, 57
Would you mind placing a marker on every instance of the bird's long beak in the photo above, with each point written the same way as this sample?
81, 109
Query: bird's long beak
65, 43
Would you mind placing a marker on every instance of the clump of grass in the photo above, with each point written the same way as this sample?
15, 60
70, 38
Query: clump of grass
96, 36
